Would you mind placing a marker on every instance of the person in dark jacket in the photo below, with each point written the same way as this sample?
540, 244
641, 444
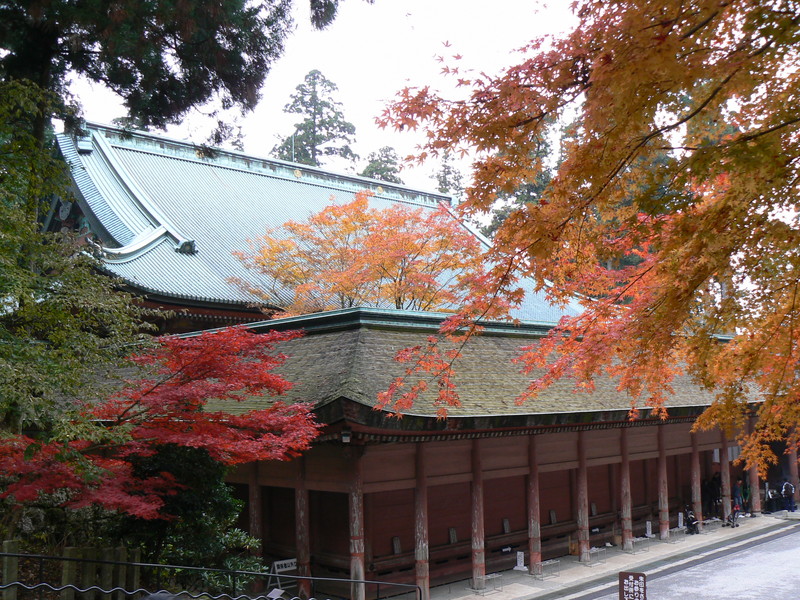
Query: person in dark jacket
787, 491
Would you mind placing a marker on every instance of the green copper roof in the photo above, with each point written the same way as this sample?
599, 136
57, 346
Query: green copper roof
169, 216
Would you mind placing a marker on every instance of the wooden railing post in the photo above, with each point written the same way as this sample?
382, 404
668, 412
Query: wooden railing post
69, 572
107, 572
135, 572
89, 572
121, 571
10, 568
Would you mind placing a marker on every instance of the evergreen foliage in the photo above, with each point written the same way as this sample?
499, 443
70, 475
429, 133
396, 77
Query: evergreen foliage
323, 130
383, 165
163, 57
63, 326
449, 179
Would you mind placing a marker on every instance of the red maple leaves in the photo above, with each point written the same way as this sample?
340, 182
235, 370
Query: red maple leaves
89, 459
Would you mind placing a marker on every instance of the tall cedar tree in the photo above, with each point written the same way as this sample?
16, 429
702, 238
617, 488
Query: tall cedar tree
383, 165
709, 90
449, 179
99, 458
162, 57
323, 130
351, 255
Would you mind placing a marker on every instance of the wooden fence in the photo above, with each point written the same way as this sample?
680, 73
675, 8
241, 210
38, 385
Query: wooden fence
84, 573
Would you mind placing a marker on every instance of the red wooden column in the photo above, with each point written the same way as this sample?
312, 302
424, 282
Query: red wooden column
697, 500
752, 473
625, 491
422, 566
663, 491
725, 476
356, 509
254, 506
792, 455
302, 529
534, 516
478, 533
583, 500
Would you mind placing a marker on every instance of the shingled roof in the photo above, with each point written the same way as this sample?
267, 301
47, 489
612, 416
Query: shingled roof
349, 355
169, 215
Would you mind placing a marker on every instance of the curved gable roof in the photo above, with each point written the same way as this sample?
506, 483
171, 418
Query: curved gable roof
170, 216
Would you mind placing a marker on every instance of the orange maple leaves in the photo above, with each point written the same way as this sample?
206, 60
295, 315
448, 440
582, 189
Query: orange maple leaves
674, 211
91, 462
352, 255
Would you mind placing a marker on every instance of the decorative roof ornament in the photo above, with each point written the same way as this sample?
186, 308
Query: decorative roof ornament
186, 247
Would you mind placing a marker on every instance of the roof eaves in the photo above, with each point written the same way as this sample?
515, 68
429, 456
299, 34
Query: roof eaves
394, 319
150, 292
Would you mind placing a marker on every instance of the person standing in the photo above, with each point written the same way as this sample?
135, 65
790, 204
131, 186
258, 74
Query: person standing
747, 507
736, 494
787, 491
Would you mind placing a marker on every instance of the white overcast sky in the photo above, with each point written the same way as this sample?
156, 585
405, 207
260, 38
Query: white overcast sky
370, 52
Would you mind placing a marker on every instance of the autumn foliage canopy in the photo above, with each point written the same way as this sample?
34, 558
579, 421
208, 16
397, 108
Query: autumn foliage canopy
674, 213
351, 255
89, 459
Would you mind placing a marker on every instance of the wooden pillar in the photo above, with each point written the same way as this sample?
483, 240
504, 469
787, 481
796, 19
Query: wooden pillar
792, 455
583, 500
697, 500
534, 512
755, 486
625, 491
478, 533
613, 484
255, 506
356, 508
725, 476
302, 529
663, 490
421, 554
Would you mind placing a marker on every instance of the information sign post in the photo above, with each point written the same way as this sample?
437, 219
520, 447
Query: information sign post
632, 586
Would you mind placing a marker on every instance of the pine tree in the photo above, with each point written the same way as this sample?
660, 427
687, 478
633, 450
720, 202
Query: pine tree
449, 180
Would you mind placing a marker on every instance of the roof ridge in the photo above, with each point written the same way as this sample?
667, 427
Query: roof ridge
127, 140
352, 373
140, 196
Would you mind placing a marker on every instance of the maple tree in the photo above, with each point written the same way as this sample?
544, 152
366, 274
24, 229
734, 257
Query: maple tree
96, 457
708, 90
352, 255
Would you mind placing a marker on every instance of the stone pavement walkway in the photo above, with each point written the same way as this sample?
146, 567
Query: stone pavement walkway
572, 579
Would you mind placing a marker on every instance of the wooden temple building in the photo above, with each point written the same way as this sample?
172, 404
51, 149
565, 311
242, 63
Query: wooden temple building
417, 499
424, 500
